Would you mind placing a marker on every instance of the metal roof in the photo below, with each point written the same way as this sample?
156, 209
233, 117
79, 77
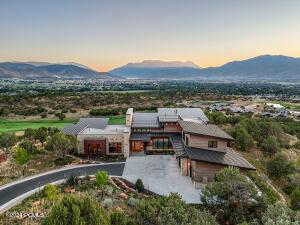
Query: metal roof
229, 158
204, 129
173, 114
145, 120
75, 129
140, 136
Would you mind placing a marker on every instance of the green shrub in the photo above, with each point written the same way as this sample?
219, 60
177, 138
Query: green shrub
28, 146
271, 195
171, 210
72, 210
270, 145
51, 192
295, 199
101, 178
21, 156
139, 185
72, 180
280, 167
119, 218
7, 140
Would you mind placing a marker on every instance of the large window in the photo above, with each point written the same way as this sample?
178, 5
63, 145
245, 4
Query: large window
212, 144
115, 147
161, 143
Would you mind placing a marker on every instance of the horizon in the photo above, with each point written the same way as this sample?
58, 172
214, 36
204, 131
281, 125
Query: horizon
105, 35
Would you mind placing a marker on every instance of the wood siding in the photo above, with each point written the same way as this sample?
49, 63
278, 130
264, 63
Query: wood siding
201, 141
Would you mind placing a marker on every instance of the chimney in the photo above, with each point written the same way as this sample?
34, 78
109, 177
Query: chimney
129, 115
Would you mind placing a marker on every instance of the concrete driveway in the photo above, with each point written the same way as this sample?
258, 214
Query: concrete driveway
160, 174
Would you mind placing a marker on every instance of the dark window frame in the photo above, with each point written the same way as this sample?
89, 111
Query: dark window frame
212, 144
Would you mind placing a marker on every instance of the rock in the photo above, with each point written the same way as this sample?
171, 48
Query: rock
69, 190
123, 196
108, 202
109, 190
132, 202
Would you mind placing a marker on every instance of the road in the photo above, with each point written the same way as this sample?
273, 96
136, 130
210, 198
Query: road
11, 192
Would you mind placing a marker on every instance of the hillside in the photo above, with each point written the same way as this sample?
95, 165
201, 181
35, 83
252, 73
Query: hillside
266, 67
38, 71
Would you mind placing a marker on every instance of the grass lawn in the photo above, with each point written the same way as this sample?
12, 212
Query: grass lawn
20, 125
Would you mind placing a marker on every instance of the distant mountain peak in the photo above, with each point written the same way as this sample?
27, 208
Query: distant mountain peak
152, 63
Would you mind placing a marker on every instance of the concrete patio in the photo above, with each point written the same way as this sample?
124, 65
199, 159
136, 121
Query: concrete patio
160, 174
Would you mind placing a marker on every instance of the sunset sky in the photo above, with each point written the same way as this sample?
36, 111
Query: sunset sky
105, 34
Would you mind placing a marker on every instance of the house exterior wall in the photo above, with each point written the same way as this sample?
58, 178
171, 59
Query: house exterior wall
201, 141
172, 127
204, 172
122, 138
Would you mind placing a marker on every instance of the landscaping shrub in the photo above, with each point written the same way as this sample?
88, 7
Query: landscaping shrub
171, 210
72, 210
72, 181
101, 178
119, 218
139, 185
51, 192
21, 156
7, 140
28, 146
61, 144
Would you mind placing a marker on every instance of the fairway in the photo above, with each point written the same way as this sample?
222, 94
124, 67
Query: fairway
20, 125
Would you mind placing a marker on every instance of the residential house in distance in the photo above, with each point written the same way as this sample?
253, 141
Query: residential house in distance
200, 148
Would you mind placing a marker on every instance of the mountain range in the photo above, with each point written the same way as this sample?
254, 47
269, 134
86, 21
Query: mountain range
265, 67
45, 70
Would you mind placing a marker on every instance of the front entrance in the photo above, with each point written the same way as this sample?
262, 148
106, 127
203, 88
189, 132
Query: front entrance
94, 147
137, 146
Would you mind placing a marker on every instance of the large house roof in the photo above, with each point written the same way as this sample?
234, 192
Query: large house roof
204, 129
174, 114
141, 136
142, 120
229, 158
75, 129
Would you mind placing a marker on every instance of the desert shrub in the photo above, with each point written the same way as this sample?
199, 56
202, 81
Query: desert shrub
51, 192
101, 178
21, 156
280, 214
28, 146
232, 197
270, 145
120, 218
72, 210
139, 185
29, 133
295, 199
280, 167
7, 140
171, 210
61, 144
72, 180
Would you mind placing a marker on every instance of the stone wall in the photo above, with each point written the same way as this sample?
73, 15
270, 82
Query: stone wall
129, 115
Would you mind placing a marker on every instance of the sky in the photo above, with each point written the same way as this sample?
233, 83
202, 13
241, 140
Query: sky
105, 34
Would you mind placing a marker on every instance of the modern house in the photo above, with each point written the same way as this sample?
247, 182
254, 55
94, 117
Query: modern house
201, 148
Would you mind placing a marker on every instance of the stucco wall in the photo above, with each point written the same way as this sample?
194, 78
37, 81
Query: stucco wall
198, 141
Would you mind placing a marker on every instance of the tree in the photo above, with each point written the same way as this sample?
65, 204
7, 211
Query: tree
29, 133
60, 115
139, 186
233, 197
270, 145
7, 140
61, 144
280, 167
171, 210
41, 134
243, 139
280, 214
72, 210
